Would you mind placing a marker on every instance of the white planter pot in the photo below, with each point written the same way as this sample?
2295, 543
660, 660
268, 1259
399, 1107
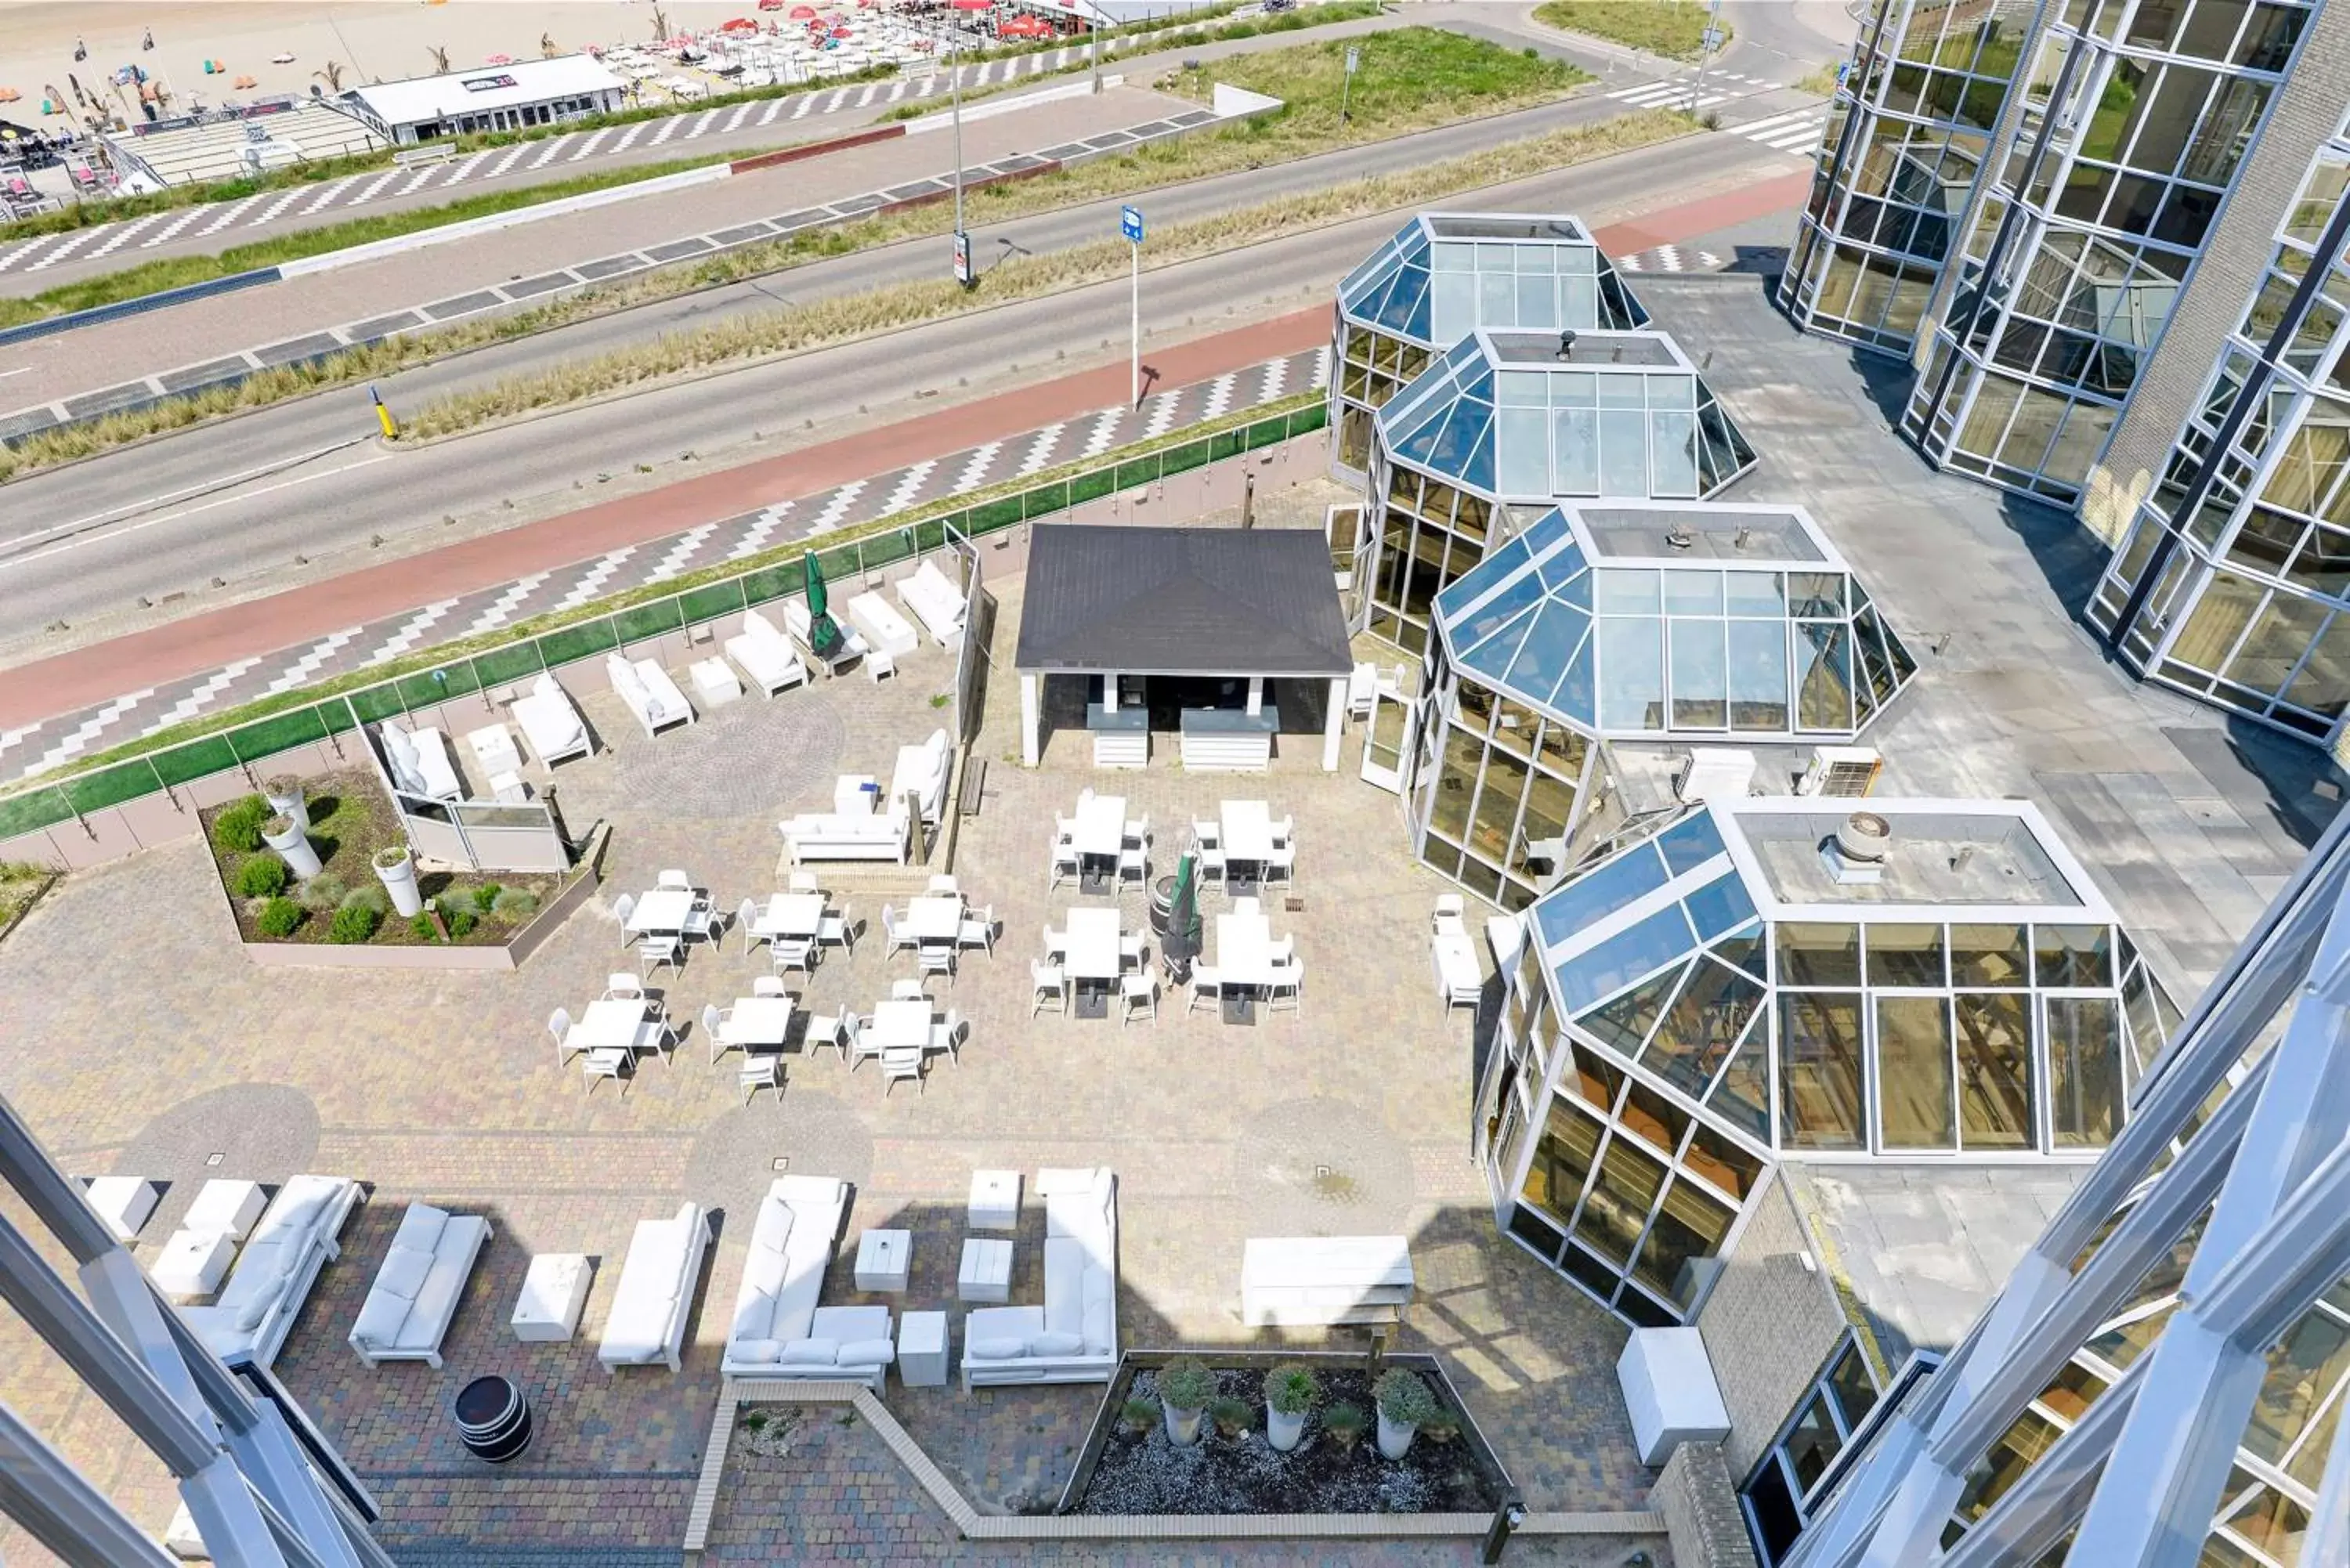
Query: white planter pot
400, 881
289, 805
1182, 1426
293, 847
1283, 1431
1395, 1441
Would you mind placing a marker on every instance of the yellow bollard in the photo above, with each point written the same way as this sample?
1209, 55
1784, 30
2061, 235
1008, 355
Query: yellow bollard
383, 415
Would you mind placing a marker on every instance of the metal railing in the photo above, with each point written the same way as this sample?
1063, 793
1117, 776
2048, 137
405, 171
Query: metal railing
39, 804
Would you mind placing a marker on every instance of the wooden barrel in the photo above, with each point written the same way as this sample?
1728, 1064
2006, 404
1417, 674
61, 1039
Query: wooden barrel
493, 1418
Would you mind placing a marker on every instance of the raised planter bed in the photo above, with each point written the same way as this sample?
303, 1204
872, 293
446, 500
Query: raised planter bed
1121, 1474
350, 819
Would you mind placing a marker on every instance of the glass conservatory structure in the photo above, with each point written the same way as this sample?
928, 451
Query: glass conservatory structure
1733, 990
1442, 276
1517, 420
1608, 622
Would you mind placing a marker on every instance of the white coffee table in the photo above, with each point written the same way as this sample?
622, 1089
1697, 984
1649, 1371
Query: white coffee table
492, 746
986, 1274
994, 1200
714, 681
231, 1208
884, 1258
922, 1349
124, 1202
553, 1292
509, 789
193, 1264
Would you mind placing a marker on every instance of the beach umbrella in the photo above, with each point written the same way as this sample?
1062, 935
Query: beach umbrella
1180, 945
803, 13
824, 635
738, 25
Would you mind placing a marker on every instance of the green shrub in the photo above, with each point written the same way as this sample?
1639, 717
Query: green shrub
419, 926
1404, 1397
237, 829
324, 892
263, 877
1345, 1423
485, 897
1137, 1417
374, 898
1292, 1389
279, 917
353, 923
456, 915
1232, 1416
516, 903
1186, 1384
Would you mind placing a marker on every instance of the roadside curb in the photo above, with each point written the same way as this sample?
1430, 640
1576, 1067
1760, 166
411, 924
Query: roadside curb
96, 315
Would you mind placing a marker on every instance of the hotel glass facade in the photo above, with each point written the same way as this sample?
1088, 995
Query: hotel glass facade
1445, 274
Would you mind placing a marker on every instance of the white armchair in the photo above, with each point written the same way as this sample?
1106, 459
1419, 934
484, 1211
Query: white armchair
764, 655
652, 698
553, 724
934, 601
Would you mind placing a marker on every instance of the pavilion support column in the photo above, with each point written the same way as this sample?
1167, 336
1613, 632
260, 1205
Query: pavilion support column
1032, 721
1110, 691
1255, 695
1332, 725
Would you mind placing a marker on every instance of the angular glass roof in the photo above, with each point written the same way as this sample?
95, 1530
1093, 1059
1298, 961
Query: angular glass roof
1636, 621
1936, 1022
1444, 275
1533, 417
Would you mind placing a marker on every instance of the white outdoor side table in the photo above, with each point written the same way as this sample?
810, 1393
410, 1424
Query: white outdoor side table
994, 1200
922, 1349
124, 1202
986, 1274
193, 1264
231, 1208
884, 1258
553, 1290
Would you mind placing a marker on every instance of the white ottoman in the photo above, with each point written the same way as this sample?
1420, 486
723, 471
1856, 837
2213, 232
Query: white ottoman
714, 681
884, 1258
492, 746
193, 1264
231, 1208
994, 1200
124, 1202
986, 1274
553, 1290
922, 1349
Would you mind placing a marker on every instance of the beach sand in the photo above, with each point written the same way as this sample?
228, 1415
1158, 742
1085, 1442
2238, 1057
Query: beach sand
372, 39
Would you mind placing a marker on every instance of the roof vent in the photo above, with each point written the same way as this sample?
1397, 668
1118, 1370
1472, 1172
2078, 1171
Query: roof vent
1745, 537
1566, 344
1680, 537
1855, 852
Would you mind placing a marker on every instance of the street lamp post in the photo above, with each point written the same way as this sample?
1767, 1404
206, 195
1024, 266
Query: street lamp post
966, 273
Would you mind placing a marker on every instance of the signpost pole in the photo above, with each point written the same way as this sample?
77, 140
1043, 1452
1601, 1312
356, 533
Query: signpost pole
1706, 47
964, 272
1347, 87
1129, 223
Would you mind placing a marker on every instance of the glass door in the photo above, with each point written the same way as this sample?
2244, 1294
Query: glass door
1387, 739
1348, 527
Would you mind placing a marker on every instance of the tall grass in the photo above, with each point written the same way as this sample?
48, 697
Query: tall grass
1673, 28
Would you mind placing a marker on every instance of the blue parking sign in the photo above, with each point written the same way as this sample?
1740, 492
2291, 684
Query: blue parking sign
1129, 223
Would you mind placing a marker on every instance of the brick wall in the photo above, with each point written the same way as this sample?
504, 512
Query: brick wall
1768, 1327
2307, 111
1703, 1520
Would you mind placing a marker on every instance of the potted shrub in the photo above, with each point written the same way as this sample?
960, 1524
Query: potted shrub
1231, 1416
284, 793
1345, 1423
1185, 1386
1137, 1416
395, 868
1405, 1405
291, 840
1290, 1391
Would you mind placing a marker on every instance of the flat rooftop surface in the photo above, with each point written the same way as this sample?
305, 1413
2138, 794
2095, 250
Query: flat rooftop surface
1473, 227
1760, 537
1593, 350
1935, 859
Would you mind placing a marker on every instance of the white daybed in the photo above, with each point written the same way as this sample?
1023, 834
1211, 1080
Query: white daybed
764, 655
930, 597
415, 1292
1073, 1337
923, 769
799, 623
417, 761
882, 626
647, 1326
273, 1275
778, 1330
652, 698
554, 725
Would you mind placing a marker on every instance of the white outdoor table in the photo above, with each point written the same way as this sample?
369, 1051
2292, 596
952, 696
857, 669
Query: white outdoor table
1458, 974
884, 1258
1093, 963
608, 1025
664, 909
193, 1264
1244, 958
554, 1288
1100, 833
492, 746
757, 1022
900, 1026
1248, 839
796, 915
935, 920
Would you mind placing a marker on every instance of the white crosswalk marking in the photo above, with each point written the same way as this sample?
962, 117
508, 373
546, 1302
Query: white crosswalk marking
73, 745
302, 669
502, 609
774, 106
1797, 132
1163, 410
416, 181
65, 248
374, 187
629, 137
123, 233
1105, 427
414, 627
277, 207
328, 197
839, 96
669, 127
910, 483
1040, 450
837, 507
742, 112
171, 230
514, 156
236, 210
546, 154
805, 104
597, 576
203, 697
1219, 394
763, 528
982, 459
13, 737
1321, 366
865, 96
1668, 94
679, 554
15, 254
1276, 376
588, 144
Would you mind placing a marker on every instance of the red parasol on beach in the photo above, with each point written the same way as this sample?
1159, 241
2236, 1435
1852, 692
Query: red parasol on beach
973, 5
499, 60
739, 25
1026, 27
803, 13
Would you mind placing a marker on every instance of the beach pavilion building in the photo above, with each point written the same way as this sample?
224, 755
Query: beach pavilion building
512, 97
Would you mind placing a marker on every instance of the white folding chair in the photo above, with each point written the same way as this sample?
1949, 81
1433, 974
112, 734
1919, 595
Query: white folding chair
657, 948
1288, 979
1281, 862
702, 923
1212, 862
1285, 830
1137, 830
1138, 991
1066, 866
901, 1063
1046, 979
824, 1029
605, 1062
1282, 951
622, 908
1133, 866
558, 1023
833, 930
794, 952
896, 938
978, 930
655, 1034
878, 664
1131, 953
622, 988
1206, 985
1056, 943
746, 915
676, 881
908, 991
803, 882
948, 1036
760, 1069
769, 985
937, 958
860, 1050
943, 886
1207, 832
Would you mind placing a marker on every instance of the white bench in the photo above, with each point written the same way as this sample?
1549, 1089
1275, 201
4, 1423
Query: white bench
414, 1296
421, 157
934, 601
646, 1327
764, 655
553, 724
256, 1308
652, 698
1324, 1280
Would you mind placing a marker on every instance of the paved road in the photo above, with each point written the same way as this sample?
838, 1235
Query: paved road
83, 543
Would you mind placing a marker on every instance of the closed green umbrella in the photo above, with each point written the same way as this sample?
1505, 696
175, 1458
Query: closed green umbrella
824, 633
1181, 943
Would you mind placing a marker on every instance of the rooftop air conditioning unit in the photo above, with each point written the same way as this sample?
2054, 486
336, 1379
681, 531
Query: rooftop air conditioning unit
1715, 772
1846, 771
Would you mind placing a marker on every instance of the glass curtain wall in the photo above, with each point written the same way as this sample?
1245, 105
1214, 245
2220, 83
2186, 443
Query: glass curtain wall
2136, 115
1906, 138
2234, 581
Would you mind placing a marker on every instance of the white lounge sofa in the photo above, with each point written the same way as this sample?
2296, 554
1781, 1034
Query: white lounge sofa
779, 1331
882, 626
799, 623
273, 1275
416, 1290
765, 656
646, 1327
923, 769
417, 761
1073, 1337
652, 698
932, 599
555, 727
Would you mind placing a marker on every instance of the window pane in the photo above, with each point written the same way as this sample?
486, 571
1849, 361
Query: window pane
1908, 956
1726, 1164
1812, 1443
1704, 1026
1691, 1225
1819, 1070
1562, 1159
1623, 451
2085, 1070
1631, 674
1913, 1073
1849, 1385
1823, 651
2072, 955
1700, 680
1818, 955
1987, 956
1618, 1209
1994, 1071
1758, 673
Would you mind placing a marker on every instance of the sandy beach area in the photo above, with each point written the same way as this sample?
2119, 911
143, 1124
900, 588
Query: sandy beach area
371, 40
